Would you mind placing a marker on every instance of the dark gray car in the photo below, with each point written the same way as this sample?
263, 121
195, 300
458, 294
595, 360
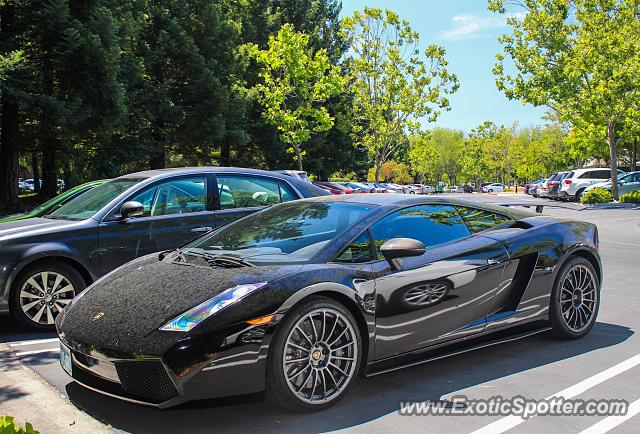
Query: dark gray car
45, 262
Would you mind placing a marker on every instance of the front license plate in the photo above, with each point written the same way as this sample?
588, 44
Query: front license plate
65, 358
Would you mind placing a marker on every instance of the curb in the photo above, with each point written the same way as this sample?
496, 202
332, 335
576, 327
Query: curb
27, 397
624, 205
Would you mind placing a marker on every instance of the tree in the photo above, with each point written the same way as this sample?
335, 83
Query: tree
579, 57
391, 171
295, 85
392, 83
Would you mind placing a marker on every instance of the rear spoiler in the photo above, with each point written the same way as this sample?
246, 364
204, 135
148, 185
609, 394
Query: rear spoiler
539, 206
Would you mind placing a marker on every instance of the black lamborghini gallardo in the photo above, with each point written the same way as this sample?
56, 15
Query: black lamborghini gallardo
301, 298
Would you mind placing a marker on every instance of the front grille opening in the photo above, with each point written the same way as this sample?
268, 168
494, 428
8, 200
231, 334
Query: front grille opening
146, 379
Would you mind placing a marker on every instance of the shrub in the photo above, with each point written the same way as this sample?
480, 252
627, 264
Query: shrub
7, 425
597, 195
633, 197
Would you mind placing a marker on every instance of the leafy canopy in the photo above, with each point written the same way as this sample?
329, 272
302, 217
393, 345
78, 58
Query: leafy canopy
295, 84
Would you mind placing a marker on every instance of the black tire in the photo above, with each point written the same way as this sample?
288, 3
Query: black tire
560, 326
72, 276
277, 388
579, 194
490, 191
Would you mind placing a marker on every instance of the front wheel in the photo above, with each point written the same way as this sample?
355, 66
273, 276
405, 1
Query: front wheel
579, 194
575, 299
41, 292
314, 357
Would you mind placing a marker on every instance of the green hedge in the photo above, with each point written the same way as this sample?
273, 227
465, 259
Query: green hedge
633, 197
597, 195
8, 426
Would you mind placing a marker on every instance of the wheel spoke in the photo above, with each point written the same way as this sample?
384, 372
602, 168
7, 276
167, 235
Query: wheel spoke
297, 347
37, 316
343, 346
26, 307
67, 288
56, 283
338, 338
35, 284
304, 335
313, 326
25, 294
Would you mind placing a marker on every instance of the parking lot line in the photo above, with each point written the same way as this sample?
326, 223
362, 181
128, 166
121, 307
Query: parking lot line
30, 353
33, 342
509, 422
610, 422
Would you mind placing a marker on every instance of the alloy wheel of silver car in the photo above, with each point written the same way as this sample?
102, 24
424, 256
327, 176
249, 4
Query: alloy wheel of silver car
425, 295
320, 356
578, 298
44, 295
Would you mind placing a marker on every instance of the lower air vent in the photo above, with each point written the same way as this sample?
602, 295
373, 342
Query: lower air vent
146, 379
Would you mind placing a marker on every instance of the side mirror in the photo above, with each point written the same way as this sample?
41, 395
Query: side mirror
397, 248
131, 209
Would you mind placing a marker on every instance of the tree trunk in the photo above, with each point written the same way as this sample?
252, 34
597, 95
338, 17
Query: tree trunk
298, 155
159, 159
225, 152
378, 166
48, 139
36, 171
9, 154
8, 129
634, 157
613, 153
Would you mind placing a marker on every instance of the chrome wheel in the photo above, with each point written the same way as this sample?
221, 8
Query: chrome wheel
44, 295
320, 356
425, 295
578, 298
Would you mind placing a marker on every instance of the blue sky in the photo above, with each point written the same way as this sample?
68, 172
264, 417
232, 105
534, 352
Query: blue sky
469, 33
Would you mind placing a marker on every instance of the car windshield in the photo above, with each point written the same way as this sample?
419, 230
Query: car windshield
292, 232
89, 203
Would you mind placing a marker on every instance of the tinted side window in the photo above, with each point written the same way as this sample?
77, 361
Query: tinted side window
585, 175
431, 224
601, 174
479, 220
358, 251
178, 196
249, 191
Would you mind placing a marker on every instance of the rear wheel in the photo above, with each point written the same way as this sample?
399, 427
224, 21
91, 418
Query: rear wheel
41, 292
314, 356
575, 299
579, 194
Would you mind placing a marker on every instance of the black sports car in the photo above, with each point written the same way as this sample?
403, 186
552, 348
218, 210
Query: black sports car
302, 297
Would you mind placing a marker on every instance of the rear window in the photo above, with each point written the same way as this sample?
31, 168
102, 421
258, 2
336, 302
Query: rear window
478, 220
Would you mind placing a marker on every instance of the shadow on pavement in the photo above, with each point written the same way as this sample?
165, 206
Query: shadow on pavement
11, 331
367, 400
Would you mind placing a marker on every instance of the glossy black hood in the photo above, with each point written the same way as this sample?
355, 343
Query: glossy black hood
33, 226
135, 300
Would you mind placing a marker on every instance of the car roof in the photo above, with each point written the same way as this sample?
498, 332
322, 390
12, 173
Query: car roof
393, 200
205, 169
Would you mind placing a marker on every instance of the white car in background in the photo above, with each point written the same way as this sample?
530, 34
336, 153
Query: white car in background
626, 183
573, 186
494, 188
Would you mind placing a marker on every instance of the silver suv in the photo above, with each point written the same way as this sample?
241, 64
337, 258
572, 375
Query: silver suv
573, 186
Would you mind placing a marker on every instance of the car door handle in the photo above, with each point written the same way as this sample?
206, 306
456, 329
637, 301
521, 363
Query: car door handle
202, 230
493, 261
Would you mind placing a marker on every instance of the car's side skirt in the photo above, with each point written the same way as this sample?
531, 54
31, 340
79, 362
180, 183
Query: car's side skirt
451, 349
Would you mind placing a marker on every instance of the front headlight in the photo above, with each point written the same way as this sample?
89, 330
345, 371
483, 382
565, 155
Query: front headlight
196, 315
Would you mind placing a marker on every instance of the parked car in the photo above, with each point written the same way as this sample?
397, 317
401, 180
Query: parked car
529, 185
574, 186
626, 183
553, 187
333, 187
46, 261
359, 187
57, 201
543, 189
298, 174
302, 298
468, 188
373, 188
494, 187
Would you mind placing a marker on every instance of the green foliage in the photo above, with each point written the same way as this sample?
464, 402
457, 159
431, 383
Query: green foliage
579, 57
391, 171
8, 426
295, 84
597, 195
633, 197
393, 82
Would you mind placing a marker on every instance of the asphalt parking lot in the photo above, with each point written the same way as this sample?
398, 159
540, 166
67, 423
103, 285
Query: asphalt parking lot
535, 367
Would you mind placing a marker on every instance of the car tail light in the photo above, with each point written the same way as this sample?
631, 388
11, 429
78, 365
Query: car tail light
567, 181
348, 191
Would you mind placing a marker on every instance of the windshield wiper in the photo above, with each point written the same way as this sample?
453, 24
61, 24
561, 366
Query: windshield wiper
219, 260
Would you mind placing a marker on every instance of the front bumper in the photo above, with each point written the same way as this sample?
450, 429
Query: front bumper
200, 367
